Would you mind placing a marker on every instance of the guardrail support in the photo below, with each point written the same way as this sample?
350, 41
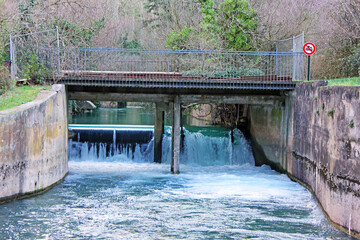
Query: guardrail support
58, 46
12, 58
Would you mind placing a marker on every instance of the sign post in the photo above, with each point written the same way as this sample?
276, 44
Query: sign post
309, 49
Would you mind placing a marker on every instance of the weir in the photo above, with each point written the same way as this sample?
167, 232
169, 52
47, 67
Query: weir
200, 149
167, 103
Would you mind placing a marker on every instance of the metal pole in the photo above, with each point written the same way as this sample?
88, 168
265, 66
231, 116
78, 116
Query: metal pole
308, 73
12, 61
276, 59
58, 45
294, 59
302, 59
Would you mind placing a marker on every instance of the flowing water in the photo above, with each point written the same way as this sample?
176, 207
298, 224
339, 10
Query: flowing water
219, 194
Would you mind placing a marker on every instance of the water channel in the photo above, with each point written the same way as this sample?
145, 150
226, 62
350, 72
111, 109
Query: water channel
219, 194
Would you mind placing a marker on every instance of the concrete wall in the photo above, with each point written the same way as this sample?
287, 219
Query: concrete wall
33, 145
317, 144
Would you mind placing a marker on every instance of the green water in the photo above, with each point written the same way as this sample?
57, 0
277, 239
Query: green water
121, 116
141, 116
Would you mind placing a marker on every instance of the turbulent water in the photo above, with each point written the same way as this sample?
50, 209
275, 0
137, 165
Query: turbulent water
219, 194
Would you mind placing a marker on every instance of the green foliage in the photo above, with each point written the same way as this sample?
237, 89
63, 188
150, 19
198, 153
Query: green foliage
229, 25
19, 95
228, 72
97, 103
318, 112
124, 42
331, 112
180, 40
351, 123
238, 72
210, 19
355, 81
351, 65
4, 36
73, 106
34, 70
5, 80
233, 22
187, 111
26, 17
238, 24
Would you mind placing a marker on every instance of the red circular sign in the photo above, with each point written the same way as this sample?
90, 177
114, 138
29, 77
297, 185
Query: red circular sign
309, 48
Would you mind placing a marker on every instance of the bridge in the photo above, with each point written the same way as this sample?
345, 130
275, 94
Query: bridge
169, 78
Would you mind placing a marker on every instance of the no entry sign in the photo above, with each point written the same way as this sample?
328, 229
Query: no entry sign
309, 48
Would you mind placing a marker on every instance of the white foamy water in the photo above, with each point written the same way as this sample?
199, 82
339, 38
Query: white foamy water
219, 194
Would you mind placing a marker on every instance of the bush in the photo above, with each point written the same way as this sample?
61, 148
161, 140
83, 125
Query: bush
228, 72
5, 80
351, 67
180, 40
34, 70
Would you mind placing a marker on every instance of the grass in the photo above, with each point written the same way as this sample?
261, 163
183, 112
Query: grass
355, 81
19, 95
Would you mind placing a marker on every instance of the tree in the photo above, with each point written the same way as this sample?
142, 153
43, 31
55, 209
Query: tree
348, 21
180, 40
229, 25
237, 24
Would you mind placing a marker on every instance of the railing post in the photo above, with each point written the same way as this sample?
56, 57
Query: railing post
293, 58
58, 46
12, 59
276, 59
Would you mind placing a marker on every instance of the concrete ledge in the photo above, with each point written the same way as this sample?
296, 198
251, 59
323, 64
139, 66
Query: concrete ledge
33, 145
30, 194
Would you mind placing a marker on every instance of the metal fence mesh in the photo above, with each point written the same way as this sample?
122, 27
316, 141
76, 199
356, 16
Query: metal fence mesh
24, 52
109, 64
146, 63
294, 44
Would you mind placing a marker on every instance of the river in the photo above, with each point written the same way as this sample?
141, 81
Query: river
219, 193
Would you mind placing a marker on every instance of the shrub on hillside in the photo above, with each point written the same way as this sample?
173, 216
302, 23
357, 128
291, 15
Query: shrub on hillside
5, 79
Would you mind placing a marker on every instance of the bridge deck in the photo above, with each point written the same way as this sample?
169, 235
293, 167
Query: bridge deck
174, 80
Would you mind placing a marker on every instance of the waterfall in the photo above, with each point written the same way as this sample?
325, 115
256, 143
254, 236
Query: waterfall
198, 149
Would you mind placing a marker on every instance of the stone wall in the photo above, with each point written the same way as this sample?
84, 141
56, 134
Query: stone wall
317, 144
33, 145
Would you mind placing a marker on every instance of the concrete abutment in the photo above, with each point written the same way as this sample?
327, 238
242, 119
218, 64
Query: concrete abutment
318, 146
33, 145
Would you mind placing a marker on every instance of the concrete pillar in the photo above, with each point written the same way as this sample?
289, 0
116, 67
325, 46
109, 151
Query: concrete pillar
175, 138
158, 133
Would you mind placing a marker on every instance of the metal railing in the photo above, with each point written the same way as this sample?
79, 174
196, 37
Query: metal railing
22, 48
111, 64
